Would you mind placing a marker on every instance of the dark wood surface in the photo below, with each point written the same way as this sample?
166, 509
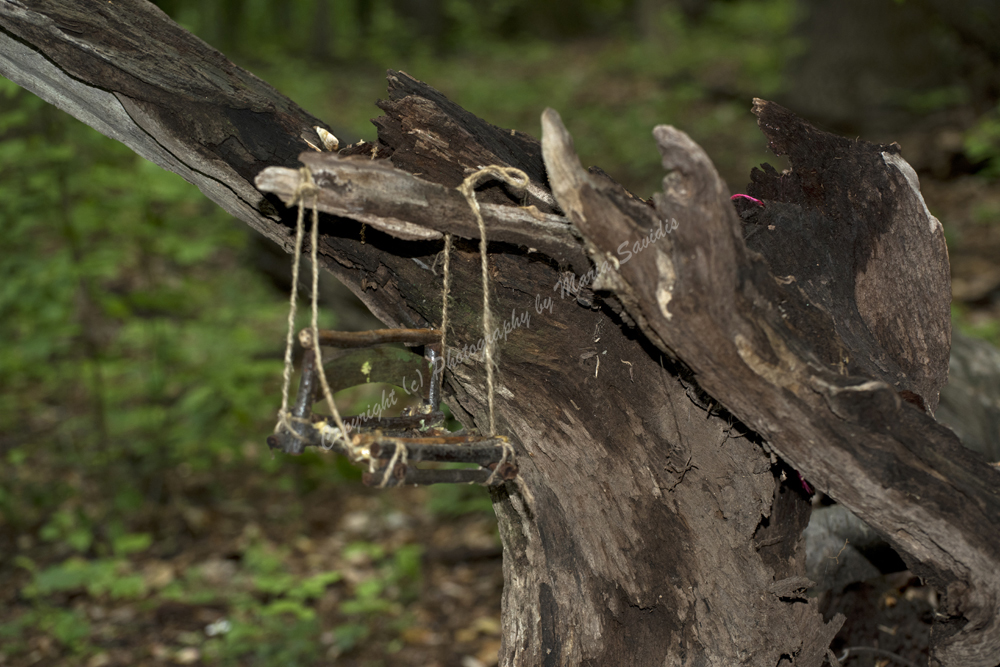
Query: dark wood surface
649, 526
716, 305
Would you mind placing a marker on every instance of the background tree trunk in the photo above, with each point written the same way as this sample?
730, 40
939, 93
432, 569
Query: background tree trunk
649, 526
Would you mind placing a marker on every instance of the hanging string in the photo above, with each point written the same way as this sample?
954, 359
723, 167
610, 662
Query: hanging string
306, 187
446, 290
398, 455
517, 179
314, 245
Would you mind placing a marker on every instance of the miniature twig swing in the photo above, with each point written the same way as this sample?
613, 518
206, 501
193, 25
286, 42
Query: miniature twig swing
391, 447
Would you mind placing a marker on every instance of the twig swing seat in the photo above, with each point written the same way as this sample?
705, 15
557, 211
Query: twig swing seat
390, 447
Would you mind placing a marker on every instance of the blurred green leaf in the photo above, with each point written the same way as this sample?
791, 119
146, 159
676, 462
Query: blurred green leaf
294, 607
982, 143
132, 543
71, 575
348, 635
67, 627
459, 499
313, 587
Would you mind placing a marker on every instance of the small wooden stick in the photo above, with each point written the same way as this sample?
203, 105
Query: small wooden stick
484, 453
413, 475
347, 339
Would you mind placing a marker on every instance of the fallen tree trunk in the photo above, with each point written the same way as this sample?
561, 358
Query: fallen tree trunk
649, 527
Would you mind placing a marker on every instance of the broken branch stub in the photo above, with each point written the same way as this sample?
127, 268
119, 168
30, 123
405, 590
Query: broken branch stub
411, 208
848, 225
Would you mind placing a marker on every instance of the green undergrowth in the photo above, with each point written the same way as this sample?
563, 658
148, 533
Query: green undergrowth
140, 371
985, 328
140, 367
136, 339
611, 91
263, 613
982, 143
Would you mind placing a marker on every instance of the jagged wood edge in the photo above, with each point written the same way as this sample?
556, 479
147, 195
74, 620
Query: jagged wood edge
407, 207
847, 224
698, 294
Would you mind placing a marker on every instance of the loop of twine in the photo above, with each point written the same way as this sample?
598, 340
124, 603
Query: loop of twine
517, 179
508, 450
328, 435
399, 454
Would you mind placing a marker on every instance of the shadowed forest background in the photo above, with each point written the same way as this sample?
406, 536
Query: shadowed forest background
142, 518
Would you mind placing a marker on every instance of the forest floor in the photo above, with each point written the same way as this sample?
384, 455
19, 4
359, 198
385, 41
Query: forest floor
339, 574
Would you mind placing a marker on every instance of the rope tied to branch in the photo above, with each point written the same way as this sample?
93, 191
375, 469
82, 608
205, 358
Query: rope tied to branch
446, 290
329, 435
518, 179
508, 451
307, 188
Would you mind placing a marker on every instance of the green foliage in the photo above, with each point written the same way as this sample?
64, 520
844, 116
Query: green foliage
98, 577
139, 348
123, 545
311, 588
396, 580
459, 499
929, 101
987, 329
66, 627
69, 628
69, 527
274, 618
611, 90
267, 639
982, 143
135, 340
349, 635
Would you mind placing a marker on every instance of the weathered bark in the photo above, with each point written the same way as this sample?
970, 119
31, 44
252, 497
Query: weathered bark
720, 309
643, 531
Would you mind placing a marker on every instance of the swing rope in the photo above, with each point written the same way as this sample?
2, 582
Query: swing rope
445, 292
398, 455
517, 179
307, 188
314, 243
